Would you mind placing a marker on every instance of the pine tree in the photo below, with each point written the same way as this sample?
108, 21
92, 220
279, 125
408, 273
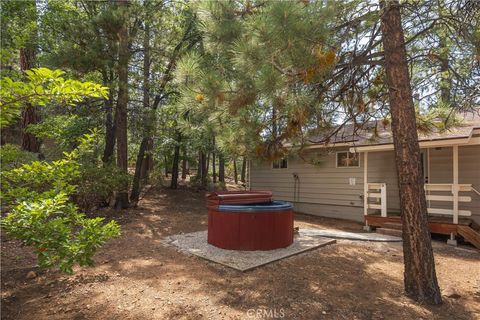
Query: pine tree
420, 278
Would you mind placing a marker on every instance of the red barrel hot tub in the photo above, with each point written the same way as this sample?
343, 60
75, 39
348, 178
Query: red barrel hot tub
249, 220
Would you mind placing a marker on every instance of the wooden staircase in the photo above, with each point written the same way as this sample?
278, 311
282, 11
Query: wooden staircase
392, 225
470, 233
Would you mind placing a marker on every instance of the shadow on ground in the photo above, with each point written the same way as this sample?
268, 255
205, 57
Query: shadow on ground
136, 277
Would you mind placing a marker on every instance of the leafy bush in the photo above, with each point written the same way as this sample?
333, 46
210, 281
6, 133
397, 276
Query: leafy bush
156, 176
43, 216
12, 156
96, 181
64, 129
96, 184
43, 86
60, 235
196, 181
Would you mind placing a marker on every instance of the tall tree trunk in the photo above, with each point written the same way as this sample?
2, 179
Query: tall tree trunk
221, 168
445, 80
176, 160
204, 170
122, 102
235, 174
29, 115
419, 277
147, 162
109, 131
208, 163
274, 123
184, 164
166, 166
199, 166
214, 169
141, 165
135, 193
244, 169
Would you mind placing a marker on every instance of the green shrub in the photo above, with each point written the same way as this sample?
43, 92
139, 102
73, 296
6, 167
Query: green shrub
43, 216
156, 176
97, 183
60, 235
12, 156
65, 129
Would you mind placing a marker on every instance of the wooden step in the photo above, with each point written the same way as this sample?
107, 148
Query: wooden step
470, 235
392, 225
475, 226
389, 232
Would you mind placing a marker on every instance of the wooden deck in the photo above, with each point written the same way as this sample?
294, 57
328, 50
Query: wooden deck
466, 228
441, 225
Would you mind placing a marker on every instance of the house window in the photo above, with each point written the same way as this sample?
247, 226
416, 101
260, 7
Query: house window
347, 160
280, 164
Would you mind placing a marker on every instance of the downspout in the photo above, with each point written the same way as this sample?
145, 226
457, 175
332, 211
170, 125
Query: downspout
296, 189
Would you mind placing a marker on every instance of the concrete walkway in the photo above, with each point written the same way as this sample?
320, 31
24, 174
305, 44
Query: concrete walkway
337, 234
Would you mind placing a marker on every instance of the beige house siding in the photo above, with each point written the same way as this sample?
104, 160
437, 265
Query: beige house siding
381, 168
325, 190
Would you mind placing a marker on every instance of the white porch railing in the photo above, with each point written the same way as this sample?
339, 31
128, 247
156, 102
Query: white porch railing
452, 197
377, 192
448, 193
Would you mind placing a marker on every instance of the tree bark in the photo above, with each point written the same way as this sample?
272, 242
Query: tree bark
419, 276
199, 166
208, 164
214, 169
141, 164
204, 171
147, 163
29, 115
445, 81
109, 131
235, 174
166, 166
135, 193
122, 102
244, 169
221, 168
184, 164
176, 160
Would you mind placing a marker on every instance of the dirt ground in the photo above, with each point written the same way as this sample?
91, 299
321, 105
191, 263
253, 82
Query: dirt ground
135, 277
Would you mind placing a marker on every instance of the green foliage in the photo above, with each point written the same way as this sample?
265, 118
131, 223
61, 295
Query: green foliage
12, 156
43, 86
42, 215
60, 235
96, 182
65, 129
438, 119
254, 84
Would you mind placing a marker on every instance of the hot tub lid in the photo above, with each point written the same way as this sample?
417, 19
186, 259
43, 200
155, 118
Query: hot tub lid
238, 197
265, 207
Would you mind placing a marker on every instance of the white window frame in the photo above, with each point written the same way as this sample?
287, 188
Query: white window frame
346, 167
280, 163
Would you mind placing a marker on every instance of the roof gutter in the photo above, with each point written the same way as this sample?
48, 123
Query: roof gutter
469, 140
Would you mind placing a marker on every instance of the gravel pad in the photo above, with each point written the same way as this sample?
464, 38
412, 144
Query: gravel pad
196, 243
